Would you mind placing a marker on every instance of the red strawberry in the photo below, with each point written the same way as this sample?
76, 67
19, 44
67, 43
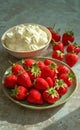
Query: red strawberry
41, 84
68, 78
27, 63
24, 80
58, 55
71, 59
51, 64
41, 65
70, 48
10, 81
19, 93
16, 68
67, 37
74, 47
58, 46
35, 71
49, 81
50, 95
77, 49
48, 62
62, 69
35, 97
48, 71
55, 35
61, 87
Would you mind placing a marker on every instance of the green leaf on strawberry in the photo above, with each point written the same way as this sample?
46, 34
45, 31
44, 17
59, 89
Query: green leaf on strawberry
35, 69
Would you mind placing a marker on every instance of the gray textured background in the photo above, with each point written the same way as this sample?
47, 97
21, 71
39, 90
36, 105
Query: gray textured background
66, 15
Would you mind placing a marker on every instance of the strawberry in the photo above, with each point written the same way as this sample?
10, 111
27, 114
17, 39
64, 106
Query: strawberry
62, 69
48, 62
70, 48
58, 46
50, 95
49, 81
67, 37
58, 55
55, 35
35, 97
61, 87
71, 59
19, 93
48, 71
24, 80
41, 65
74, 47
10, 81
16, 68
51, 64
27, 63
68, 78
41, 84
35, 71
77, 49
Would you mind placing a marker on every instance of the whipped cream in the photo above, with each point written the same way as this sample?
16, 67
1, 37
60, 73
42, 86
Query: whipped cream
26, 38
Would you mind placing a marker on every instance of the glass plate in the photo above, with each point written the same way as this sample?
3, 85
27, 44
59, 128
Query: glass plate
61, 101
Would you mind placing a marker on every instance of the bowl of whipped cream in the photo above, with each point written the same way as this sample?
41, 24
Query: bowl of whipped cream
26, 40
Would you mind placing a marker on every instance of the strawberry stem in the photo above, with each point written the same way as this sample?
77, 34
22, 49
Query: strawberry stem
70, 33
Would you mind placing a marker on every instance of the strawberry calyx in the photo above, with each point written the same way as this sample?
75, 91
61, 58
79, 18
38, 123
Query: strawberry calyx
70, 76
72, 52
76, 44
20, 72
60, 53
15, 91
60, 83
52, 91
35, 69
70, 33
53, 66
54, 43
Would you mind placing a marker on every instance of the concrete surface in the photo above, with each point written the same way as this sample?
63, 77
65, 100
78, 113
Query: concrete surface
66, 15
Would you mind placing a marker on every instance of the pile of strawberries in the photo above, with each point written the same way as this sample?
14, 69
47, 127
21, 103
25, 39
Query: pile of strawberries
67, 42
38, 81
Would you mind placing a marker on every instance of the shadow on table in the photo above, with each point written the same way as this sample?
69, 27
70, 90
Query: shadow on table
68, 122
16, 114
